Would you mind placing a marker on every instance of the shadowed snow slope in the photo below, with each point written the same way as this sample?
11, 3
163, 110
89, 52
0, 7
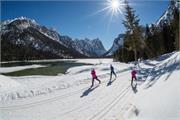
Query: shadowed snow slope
159, 96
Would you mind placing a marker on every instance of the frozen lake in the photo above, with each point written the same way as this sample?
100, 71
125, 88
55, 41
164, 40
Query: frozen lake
50, 67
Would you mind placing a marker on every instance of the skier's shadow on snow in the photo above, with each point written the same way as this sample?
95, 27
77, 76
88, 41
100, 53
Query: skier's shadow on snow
86, 92
134, 88
110, 82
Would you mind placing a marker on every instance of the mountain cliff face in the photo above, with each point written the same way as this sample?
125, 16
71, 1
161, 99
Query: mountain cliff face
167, 16
90, 48
23, 39
118, 43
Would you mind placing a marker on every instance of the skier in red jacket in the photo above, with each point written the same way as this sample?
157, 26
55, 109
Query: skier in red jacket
94, 76
133, 76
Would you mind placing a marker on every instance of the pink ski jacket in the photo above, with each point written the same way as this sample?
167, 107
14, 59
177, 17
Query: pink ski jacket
93, 73
133, 73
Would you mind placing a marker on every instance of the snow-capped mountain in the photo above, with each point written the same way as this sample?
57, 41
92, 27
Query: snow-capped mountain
118, 43
30, 39
167, 16
89, 47
23, 38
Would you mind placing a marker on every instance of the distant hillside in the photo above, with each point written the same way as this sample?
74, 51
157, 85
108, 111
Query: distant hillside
23, 39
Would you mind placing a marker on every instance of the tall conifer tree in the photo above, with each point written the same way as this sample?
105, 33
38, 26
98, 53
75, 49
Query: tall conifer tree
133, 34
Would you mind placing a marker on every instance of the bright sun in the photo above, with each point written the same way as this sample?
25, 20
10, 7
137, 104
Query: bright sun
114, 4
113, 7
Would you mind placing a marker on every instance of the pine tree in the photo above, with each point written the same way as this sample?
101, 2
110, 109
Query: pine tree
168, 37
149, 48
158, 40
175, 27
133, 33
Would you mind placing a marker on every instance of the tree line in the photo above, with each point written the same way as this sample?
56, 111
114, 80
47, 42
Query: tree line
150, 41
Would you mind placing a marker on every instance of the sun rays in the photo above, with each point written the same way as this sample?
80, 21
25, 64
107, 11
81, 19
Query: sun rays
112, 7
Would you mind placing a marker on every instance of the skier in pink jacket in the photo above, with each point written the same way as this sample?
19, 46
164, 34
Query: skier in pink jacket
133, 76
94, 76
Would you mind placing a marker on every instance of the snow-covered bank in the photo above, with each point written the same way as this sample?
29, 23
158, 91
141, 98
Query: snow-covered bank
94, 61
158, 98
18, 68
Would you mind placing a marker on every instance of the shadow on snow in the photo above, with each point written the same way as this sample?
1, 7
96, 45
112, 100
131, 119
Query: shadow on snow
110, 82
134, 88
155, 73
86, 92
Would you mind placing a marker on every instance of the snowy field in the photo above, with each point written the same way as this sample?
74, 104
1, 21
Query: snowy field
69, 97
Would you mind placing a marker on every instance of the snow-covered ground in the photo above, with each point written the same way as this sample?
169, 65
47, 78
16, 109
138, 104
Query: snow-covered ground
68, 96
158, 98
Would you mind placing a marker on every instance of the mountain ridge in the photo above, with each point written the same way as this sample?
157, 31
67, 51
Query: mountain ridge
26, 33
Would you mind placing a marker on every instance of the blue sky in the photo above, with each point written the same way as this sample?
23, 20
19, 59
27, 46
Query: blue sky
77, 19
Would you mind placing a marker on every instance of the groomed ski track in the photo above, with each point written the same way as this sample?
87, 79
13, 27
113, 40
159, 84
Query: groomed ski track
82, 103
